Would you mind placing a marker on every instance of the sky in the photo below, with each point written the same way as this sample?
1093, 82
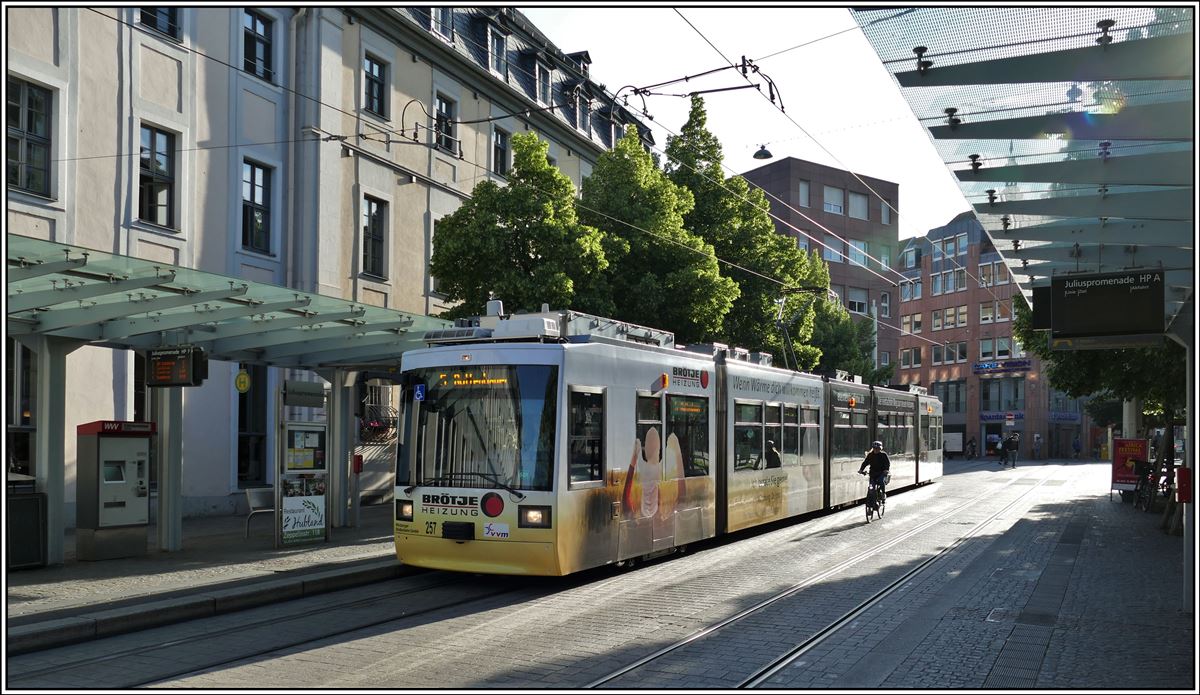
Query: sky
848, 111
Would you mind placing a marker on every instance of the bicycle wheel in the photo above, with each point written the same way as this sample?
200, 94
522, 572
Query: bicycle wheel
867, 504
882, 504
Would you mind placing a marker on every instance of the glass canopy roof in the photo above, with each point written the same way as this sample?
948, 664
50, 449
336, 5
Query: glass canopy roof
124, 302
1071, 130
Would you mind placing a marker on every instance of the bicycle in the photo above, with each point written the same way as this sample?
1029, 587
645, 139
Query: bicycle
876, 501
1147, 488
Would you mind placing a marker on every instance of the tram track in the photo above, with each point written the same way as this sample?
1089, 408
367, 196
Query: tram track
779, 663
275, 624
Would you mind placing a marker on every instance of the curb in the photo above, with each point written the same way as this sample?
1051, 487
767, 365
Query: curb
60, 632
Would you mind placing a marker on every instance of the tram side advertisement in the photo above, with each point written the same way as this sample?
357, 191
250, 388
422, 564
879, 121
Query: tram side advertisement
303, 484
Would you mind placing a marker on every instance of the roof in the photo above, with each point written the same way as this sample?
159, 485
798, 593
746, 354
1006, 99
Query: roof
115, 301
1069, 129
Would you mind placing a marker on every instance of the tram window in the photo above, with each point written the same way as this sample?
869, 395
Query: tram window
747, 436
586, 436
810, 437
791, 436
649, 417
687, 421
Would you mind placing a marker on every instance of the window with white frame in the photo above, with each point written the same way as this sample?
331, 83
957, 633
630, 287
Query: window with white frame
885, 212
885, 358
28, 154
963, 356
905, 358
582, 110
497, 46
257, 31
1001, 273
948, 281
987, 311
500, 155
1002, 348
985, 275
444, 124
544, 74
905, 291
962, 316
917, 289
916, 323
910, 258
834, 250
916, 357
858, 252
858, 205
156, 182
374, 229
949, 353
985, 349
256, 207
935, 320
802, 194
962, 244
935, 356
948, 317
960, 279
834, 200
935, 284
442, 19
1003, 310
885, 257
885, 304
375, 85
856, 299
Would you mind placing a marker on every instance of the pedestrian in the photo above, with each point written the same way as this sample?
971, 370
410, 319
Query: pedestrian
773, 460
1011, 446
1076, 446
971, 448
1037, 445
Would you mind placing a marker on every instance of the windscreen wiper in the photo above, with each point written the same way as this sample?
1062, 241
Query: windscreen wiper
448, 477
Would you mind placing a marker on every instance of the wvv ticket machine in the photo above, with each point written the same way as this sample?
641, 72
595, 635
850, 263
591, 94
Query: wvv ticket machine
112, 495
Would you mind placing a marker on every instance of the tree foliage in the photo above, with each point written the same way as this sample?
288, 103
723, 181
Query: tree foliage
522, 241
736, 220
660, 274
846, 344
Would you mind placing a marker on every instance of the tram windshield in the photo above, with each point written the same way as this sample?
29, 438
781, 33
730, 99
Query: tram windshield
483, 426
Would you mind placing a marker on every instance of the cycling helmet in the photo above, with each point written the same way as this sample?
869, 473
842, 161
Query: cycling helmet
876, 444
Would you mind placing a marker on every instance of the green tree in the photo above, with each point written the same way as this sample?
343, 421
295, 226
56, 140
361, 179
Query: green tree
660, 274
736, 220
846, 344
522, 241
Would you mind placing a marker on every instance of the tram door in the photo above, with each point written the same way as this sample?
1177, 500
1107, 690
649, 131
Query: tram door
593, 491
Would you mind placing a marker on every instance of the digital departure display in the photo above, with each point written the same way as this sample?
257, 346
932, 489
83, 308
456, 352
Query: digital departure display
479, 377
181, 366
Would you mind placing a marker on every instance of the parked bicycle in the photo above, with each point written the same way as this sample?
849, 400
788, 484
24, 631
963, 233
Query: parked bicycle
876, 501
1149, 485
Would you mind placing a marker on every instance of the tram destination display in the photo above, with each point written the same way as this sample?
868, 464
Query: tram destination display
178, 366
1107, 304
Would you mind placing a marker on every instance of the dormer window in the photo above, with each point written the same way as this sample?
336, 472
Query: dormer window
582, 110
543, 83
497, 45
441, 20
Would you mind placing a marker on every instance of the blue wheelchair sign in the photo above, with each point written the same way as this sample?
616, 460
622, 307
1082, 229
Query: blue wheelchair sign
419, 392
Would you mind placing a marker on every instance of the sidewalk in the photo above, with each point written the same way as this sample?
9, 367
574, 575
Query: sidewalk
218, 570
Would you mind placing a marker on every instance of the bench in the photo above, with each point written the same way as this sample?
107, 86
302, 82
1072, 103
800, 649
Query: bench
261, 500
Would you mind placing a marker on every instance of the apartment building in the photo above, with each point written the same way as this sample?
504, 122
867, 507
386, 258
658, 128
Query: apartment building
314, 148
852, 220
955, 314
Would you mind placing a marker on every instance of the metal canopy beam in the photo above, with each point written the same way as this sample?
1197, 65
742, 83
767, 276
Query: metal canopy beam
57, 319
1108, 254
1167, 121
334, 344
25, 301
249, 335
1158, 169
1157, 58
1173, 204
168, 322
26, 270
1140, 232
355, 356
298, 337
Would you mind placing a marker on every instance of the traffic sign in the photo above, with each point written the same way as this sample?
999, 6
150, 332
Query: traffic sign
242, 381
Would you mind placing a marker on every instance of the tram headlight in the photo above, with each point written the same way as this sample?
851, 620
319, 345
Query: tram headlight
529, 516
404, 510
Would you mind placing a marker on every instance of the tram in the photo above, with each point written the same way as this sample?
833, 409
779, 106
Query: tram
549, 443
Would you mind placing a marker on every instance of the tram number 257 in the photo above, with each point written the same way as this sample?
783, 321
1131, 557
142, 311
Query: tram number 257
430, 527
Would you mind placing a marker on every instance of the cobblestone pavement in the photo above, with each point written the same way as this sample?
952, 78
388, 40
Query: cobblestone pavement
1040, 598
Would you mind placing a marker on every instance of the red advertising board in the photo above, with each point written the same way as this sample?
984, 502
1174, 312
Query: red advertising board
1124, 451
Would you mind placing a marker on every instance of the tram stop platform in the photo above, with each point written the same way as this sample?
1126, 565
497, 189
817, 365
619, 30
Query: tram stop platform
1127, 575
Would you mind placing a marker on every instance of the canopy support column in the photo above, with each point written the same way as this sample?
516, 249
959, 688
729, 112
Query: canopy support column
168, 414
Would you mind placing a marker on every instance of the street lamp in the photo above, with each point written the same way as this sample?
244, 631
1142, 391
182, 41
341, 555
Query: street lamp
762, 153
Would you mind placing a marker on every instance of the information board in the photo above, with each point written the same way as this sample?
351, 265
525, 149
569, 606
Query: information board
1103, 304
178, 366
1124, 453
303, 483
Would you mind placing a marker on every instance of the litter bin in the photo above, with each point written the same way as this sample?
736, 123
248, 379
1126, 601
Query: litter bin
26, 523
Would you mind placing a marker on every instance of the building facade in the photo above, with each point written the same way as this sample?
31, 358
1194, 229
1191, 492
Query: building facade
816, 204
957, 341
312, 148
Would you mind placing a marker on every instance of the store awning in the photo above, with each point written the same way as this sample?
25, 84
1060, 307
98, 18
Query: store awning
130, 303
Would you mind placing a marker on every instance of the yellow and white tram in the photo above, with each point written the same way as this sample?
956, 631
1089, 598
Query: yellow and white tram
549, 443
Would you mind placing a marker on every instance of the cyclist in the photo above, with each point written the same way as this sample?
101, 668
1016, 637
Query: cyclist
879, 463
